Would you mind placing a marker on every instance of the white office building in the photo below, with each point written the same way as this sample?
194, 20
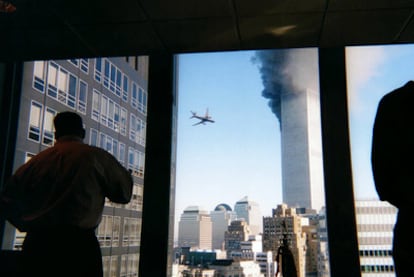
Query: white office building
302, 164
376, 220
250, 212
195, 228
221, 218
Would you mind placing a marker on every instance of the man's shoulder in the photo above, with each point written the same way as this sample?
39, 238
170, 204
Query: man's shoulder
94, 150
406, 91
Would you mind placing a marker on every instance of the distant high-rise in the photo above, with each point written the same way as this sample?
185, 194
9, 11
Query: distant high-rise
302, 165
250, 212
221, 218
195, 229
290, 82
237, 232
284, 222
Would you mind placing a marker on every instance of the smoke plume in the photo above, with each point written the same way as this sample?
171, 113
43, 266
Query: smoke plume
286, 71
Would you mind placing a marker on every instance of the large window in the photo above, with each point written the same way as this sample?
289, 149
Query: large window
35, 121
49, 87
372, 73
249, 158
48, 129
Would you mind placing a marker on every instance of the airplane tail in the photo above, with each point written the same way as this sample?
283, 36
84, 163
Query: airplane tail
194, 114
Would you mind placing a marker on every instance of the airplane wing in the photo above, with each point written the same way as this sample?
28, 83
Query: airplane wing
201, 122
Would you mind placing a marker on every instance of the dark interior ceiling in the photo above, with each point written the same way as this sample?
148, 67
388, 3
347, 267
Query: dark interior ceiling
42, 29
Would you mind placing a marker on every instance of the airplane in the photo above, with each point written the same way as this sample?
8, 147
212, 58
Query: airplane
203, 119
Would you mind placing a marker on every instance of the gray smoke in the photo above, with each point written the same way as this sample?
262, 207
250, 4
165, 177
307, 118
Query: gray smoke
286, 71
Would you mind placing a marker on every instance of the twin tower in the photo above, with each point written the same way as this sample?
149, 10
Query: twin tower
301, 139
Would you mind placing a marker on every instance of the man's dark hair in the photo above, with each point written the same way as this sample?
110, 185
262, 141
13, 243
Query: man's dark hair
67, 124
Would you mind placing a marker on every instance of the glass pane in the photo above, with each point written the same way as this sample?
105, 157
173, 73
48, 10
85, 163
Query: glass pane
249, 177
373, 72
39, 69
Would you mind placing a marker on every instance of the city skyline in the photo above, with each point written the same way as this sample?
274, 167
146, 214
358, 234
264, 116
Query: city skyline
223, 162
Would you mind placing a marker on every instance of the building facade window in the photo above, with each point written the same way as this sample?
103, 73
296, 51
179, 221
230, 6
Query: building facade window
129, 265
48, 129
137, 196
109, 113
110, 266
75, 62
142, 101
121, 157
83, 96
123, 121
39, 76
96, 105
109, 230
62, 85
52, 75
134, 96
137, 129
136, 162
93, 139
125, 88
72, 91
35, 121
84, 65
131, 232
98, 70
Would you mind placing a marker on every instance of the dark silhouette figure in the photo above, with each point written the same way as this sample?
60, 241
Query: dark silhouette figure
58, 197
286, 266
393, 167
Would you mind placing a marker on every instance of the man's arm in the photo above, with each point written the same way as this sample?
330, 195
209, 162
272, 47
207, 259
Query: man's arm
383, 149
119, 181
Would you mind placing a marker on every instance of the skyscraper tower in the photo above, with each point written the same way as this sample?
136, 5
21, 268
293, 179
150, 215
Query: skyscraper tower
195, 228
302, 165
250, 212
291, 84
221, 218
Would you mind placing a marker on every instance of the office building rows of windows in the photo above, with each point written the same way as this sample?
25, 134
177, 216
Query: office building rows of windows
109, 231
41, 130
62, 82
129, 265
375, 253
112, 78
71, 91
377, 268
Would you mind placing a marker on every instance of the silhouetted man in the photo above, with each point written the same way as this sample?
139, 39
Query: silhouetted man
58, 197
393, 167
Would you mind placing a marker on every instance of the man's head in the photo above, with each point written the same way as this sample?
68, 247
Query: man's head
68, 124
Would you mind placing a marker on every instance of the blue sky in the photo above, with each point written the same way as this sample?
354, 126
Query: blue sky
236, 156
372, 72
239, 155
